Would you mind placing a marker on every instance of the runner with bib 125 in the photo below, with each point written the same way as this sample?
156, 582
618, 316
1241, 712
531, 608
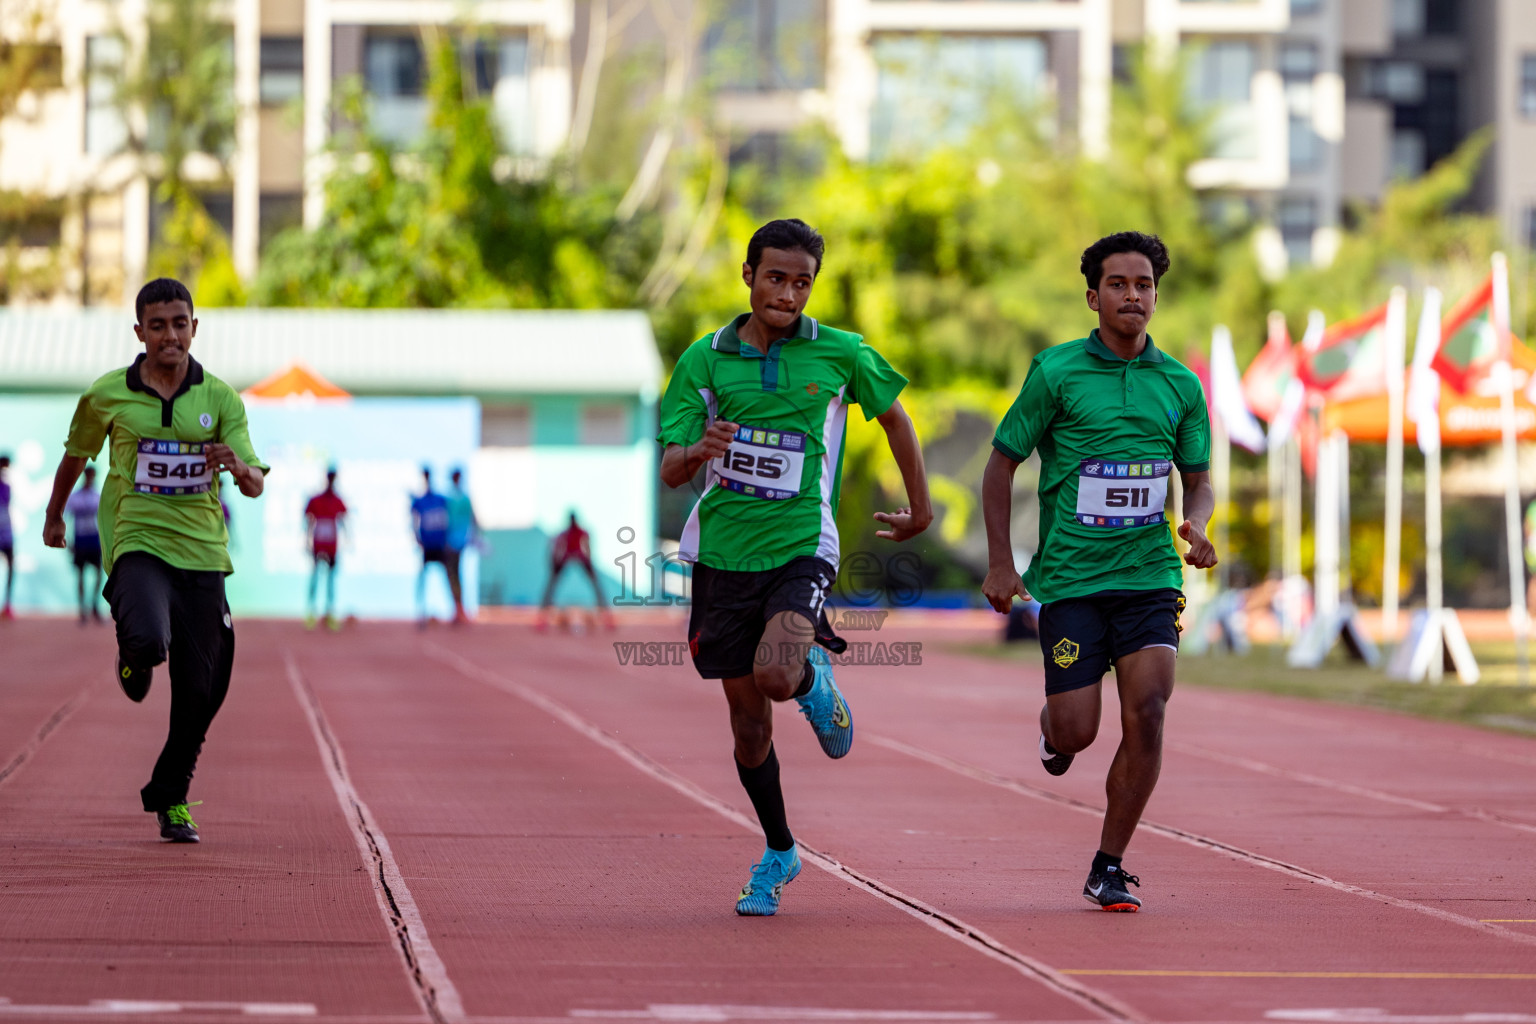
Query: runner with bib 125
761, 405
1112, 416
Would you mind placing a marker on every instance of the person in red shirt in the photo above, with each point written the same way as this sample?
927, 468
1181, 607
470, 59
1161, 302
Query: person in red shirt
572, 545
323, 518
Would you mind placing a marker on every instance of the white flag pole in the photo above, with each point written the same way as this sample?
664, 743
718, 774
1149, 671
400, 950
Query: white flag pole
1396, 339
1434, 597
1292, 580
1504, 377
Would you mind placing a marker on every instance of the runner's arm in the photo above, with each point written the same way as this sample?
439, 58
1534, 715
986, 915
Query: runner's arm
913, 519
70, 468
680, 462
1002, 581
1199, 504
248, 478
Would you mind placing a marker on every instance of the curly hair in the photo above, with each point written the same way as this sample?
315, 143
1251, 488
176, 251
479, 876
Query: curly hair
1149, 246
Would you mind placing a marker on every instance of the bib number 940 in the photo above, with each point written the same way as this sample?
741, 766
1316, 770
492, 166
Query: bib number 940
171, 467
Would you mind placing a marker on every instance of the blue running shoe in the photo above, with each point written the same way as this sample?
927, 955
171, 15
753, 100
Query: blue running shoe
825, 708
760, 896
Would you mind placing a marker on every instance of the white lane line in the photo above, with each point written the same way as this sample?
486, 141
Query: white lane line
138, 1007
1237, 853
48, 728
713, 1014
423, 967
1275, 771
1104, 1005
1372, 1015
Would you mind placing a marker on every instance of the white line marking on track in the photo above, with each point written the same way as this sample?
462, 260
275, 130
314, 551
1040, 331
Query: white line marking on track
1104, 1005
137, 1007
1276, 771
712, 1014
48, 728
1371, 1015
1215, 845
425, 969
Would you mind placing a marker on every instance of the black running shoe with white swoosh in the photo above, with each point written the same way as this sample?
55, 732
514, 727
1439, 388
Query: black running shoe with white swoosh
1107, 890
1055, 762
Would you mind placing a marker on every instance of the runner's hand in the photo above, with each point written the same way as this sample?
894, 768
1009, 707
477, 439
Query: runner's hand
715, 441
222, 456
1202, 554
903, 524
1001, 586
53, 531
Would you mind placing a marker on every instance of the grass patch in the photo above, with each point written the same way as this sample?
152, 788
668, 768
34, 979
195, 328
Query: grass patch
1497, 702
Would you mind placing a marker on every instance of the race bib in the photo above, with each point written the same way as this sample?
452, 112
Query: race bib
762, 463
325, 531
1116, 495
171, 467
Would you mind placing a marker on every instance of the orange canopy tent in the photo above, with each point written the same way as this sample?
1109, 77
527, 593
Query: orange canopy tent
1465, 419
295, 381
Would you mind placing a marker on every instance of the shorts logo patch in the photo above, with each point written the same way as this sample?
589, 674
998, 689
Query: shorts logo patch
1065, 652
1178, 613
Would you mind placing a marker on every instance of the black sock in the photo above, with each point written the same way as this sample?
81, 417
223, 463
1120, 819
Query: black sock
1103, 862
806, 680
762, 786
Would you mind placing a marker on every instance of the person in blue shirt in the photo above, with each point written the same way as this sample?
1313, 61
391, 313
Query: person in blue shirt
429, 518
463, 530
7, 549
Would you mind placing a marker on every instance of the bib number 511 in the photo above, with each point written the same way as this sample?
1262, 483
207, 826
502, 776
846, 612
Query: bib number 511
1127, 497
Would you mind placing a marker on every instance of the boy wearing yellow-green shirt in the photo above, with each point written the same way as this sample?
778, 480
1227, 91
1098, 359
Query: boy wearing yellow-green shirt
172, 427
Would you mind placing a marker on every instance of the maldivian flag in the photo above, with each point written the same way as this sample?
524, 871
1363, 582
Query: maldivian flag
1350, 359
1265, 380
1469, 345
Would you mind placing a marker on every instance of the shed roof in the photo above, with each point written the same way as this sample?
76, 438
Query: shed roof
393, 351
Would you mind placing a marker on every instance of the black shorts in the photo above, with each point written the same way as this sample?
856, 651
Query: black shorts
731, 609
88, 553
1082, 636
325, 555
438, 555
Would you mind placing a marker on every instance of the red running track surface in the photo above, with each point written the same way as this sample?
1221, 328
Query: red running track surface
493, 825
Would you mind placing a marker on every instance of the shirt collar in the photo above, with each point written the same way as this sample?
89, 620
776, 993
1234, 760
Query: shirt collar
1150, 353
136, 380
727, 340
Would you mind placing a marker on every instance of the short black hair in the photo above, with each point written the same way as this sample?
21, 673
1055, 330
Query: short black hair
792, 233
1149, 246
161, 289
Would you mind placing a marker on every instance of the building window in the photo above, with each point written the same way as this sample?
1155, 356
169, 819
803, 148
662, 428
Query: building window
506, 426
1528, 85
105, 130
1306, 149
1298, 68
279, 212
1305, 8
1407, 18
1298, 221
604, 424
394, 72
933, 91
768, 45
37, 223
282, 69
1407, 153
502, 73
1221, 82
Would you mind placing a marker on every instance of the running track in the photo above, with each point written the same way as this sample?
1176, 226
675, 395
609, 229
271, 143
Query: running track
490, 825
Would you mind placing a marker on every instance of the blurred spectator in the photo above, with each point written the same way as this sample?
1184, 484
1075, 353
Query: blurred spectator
81, 507
463, 529
429, 518
323, 519
571, 545
7, 545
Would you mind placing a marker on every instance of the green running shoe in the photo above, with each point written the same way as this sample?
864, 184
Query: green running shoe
176, 824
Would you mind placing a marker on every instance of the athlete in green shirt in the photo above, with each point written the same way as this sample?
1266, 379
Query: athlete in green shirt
761, 404
172, 428
1111, 416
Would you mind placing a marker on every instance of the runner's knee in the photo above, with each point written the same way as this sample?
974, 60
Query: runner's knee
1070, 737
1145, 715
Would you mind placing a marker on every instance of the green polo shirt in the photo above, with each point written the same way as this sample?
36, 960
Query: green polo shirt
772, 496
1110, 432
159, 496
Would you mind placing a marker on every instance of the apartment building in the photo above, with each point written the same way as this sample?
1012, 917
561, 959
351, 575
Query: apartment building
1315, 103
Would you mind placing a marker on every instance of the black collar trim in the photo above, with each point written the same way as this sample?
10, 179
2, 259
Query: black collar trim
193, 378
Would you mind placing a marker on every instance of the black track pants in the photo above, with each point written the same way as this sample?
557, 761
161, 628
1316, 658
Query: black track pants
163, 612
